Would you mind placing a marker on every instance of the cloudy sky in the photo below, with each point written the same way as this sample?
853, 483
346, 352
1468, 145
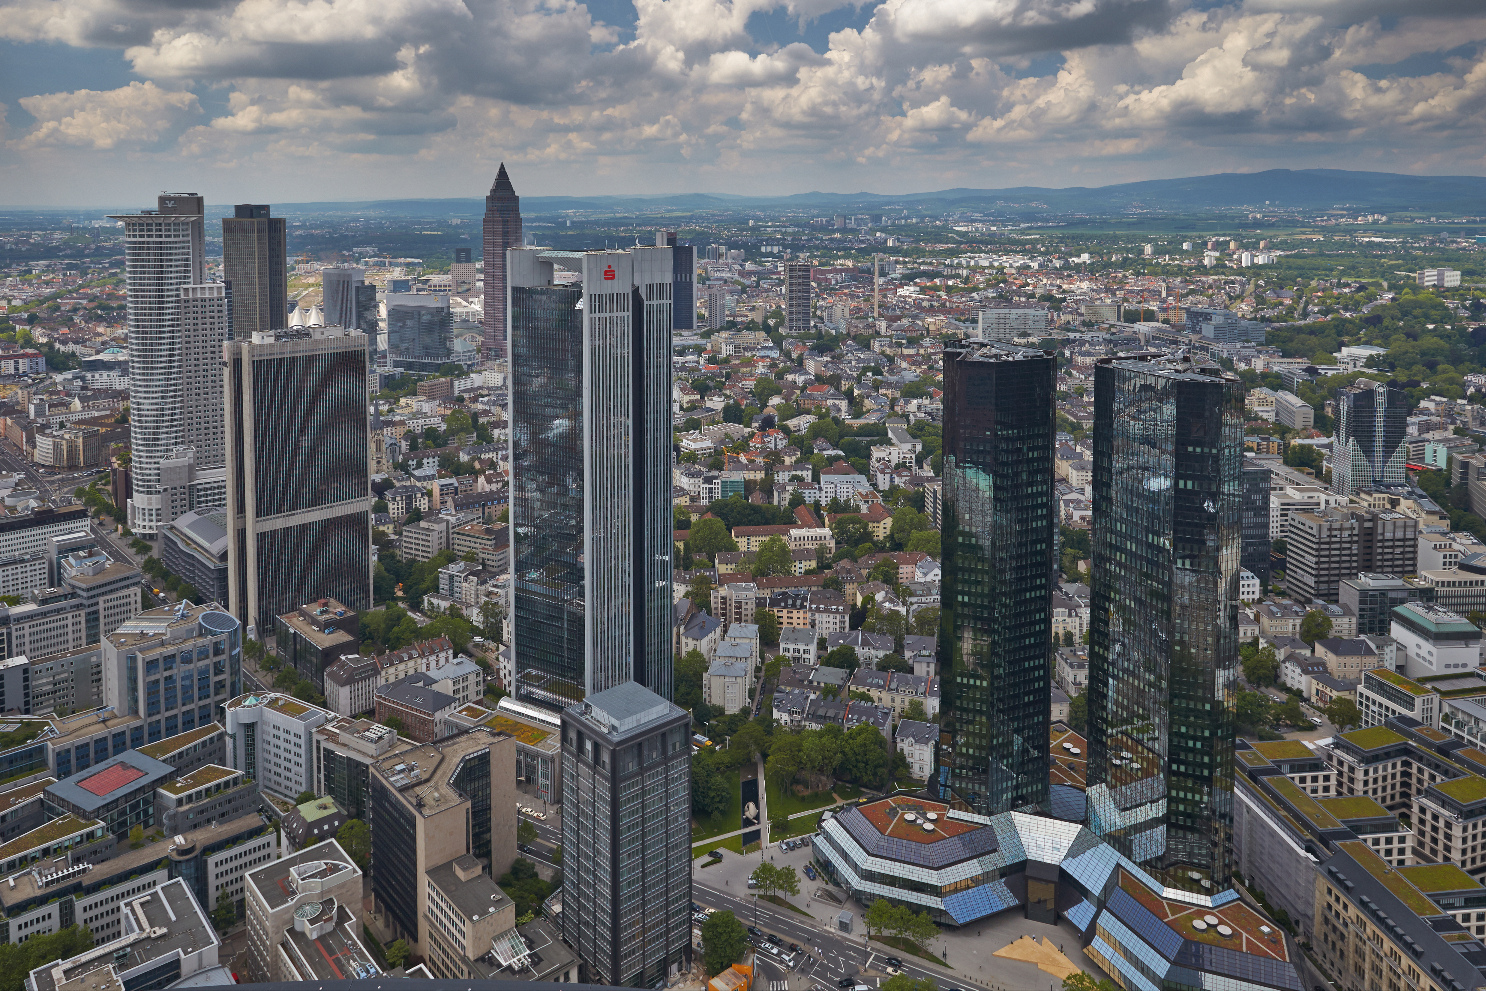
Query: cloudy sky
106, 102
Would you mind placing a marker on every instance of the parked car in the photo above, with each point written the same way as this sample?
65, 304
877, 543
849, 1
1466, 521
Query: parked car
773, 939
755, 931
893, 961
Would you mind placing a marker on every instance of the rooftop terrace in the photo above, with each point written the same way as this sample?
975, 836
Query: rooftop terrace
913, 819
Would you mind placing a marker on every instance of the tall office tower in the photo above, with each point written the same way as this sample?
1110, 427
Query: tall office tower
1256, 544
420, 330
339, 285
204, 321
797, 289
683, 288
1163, 638
298, 515
590, 472
1369, 449
502, 232
1000, 515
626, 781
255, 263
164, 251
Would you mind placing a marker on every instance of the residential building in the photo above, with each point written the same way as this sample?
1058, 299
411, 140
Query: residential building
726, 684
1003, 324
797, 296
417, 704
798, 645
591, 520
490, 542
1439, 278
997, 571
501, 232
422, 540
1169, 805
1347, 659
1369, 449
175, 667
432, 804
312, 822
626, 832
917, 741
299, 510
164, 252
271, 737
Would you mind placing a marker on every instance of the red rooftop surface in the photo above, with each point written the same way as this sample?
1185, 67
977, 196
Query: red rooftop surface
110, 779
905, 819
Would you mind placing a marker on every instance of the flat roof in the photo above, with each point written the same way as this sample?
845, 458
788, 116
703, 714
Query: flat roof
425, 770
100, 784
161, 749
25, 793
336, 955
1466, 789
907, 819
1398, 681
199, 778
476, 898
1433, 879
275, 884
1374, 738
1249, 931
1348, 807
1285, 750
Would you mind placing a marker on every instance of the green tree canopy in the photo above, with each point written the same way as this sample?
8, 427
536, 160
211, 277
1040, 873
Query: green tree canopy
724, 940
773, 558
709, 536
354, 837
1315, 626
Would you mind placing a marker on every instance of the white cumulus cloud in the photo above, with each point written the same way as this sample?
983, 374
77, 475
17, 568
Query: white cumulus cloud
134, 115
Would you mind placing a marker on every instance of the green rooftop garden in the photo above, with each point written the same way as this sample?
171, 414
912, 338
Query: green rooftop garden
1399, 681
1466, 789
1373, 738
1390, 878
1353, 807
1304, 804
1436, 878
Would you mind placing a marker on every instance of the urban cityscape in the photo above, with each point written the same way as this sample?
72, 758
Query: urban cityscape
476, 482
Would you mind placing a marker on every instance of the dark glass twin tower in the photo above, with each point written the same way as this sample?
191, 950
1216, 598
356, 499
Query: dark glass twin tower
1163, 628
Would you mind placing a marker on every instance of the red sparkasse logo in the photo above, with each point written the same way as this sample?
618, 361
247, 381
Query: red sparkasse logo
609, 273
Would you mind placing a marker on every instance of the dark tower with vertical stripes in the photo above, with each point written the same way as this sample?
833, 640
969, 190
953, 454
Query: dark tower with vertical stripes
502, 231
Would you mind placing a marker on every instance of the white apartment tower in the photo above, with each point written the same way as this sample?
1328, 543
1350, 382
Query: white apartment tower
175, 321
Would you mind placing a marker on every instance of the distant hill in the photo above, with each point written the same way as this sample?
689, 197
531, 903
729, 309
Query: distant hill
1302, 188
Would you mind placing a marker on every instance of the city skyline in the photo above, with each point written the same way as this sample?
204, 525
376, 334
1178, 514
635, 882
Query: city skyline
727, 96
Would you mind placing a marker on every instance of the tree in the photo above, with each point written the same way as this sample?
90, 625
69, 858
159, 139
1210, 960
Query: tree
915, 710
526, 832
691, 669
700, 590
906, 522
724, 940
863, 757
750, 739
766, 877
1315, 626
773, 558
1083, 982
225, 914
768, 627
893, 662
394, 724
878, 917
1343, 713
1078, 711
397, 953
850, 531
787, 881
926, 622
888, 622
136, 837
710, 794
925, 540
1253, 710
917, 927
1290, 713
1262, 668
304, 796
844, 657
709, 536
354, 837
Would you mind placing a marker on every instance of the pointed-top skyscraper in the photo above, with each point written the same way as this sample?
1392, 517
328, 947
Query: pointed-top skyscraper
502, 231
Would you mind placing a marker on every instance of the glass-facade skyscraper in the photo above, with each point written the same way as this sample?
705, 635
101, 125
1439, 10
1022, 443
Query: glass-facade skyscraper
590, 471
998, 538
501, 232
1369, 449
1163, 638
255, 264
420, 330
298, 484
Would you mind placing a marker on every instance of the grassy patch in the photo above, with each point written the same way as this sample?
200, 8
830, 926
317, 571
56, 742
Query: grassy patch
733, 843
750, 848
784, 802
726, 821
908, 946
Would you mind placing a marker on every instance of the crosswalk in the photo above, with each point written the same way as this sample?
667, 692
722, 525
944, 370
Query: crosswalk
779, 986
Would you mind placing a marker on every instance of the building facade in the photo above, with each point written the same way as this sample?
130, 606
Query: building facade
420, 330
255, 263
502, 231
1163, 621
175, 667
1371, 423
998, 555
626, 771
591, 529
299, 506
797, 292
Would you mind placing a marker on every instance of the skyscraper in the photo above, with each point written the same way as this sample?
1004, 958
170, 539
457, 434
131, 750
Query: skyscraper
1000, 515
590, 472
502, 232
1369, 448
338, 287
1163, 638
205, 317
797, 289
462, 273
1256, 544
164, 254
255, 264
298, 510
626, 836
683, 291
420, 330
